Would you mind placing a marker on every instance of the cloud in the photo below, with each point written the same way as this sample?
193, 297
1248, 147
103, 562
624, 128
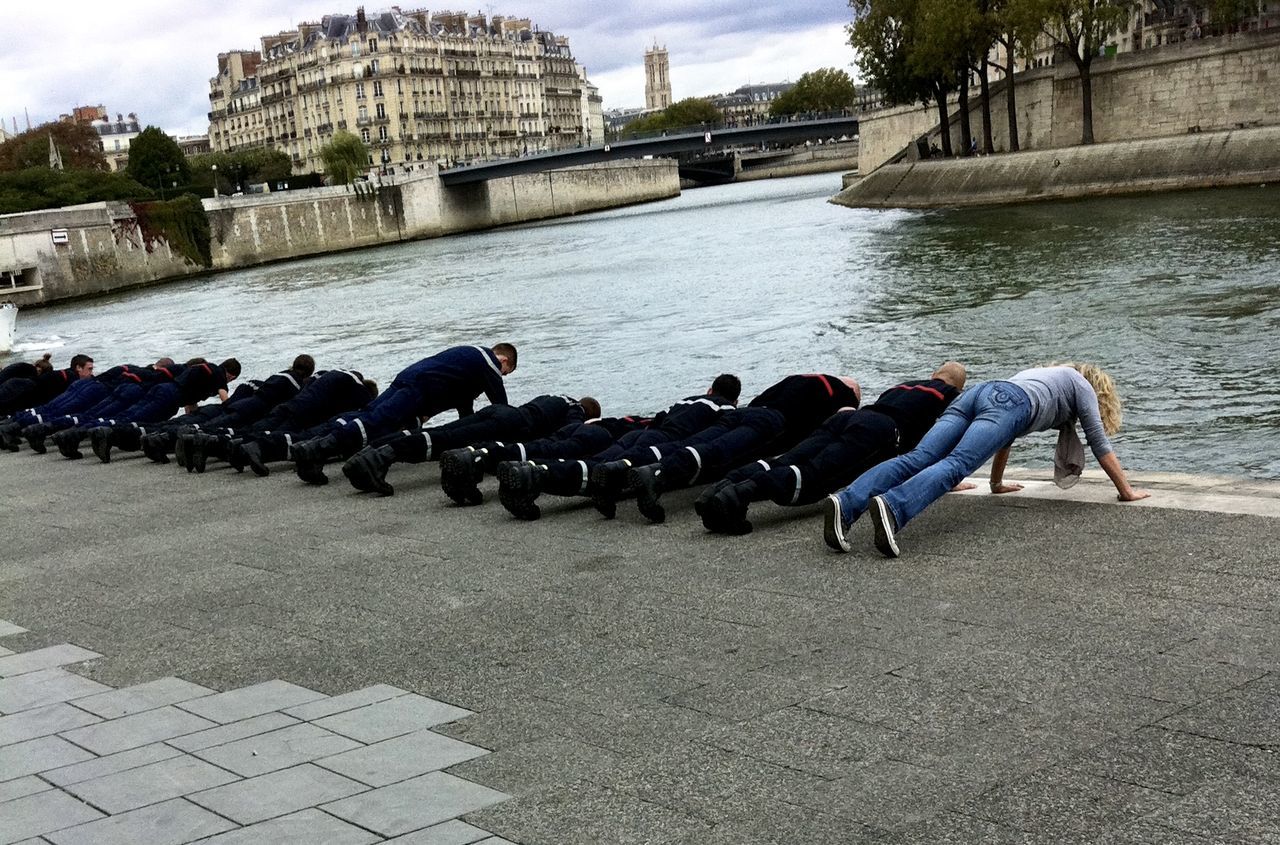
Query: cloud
155, 57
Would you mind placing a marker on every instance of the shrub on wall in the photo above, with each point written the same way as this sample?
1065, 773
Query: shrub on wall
181, 222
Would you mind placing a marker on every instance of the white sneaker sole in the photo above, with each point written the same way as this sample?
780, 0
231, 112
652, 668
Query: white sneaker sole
883, 523
833, 526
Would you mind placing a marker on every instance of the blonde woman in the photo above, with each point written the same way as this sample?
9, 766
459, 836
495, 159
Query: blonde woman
983, 422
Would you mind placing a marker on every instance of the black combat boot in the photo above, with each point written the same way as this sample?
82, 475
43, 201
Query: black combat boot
647, 483
309, 458
100, 439
606, 486
156, 447
367, 470
461, 470
519, 485
68, 442
725, 511
35, 435
10, 436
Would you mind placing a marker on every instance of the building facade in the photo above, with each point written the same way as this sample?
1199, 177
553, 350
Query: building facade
115, 137
418, 88
657, 78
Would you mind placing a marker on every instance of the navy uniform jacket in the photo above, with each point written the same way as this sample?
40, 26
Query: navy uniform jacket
551, 412
805, 401
914, 406
453, 379
691, 415
199, 382
330, 393
280, 387
21, 369
51, 384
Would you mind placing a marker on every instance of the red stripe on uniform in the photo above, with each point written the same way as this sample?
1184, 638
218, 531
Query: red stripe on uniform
937, 393
825, 382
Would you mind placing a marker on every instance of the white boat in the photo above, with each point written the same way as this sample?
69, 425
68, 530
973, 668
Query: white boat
8, 322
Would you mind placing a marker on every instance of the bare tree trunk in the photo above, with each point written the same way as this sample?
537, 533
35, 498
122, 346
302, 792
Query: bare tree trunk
1086, 101
944, 120
988, 146
966, 128
1011, 93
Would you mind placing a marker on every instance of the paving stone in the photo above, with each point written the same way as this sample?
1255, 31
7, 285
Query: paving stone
231, 732
413, 804
310, 827
148, 696
1236, 808
401, 758
239, 704
111, 764
401, 715
47, 686
36, 755
21, 787
136, 730
1172, 761
449, 833
277, 750
42, 721
495, 840
44, 658
342, 703
8, 629
522, 768
171, 823
276, 794
42, 813
150, 784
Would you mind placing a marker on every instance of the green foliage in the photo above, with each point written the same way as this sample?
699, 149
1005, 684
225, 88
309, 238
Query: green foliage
80, 146
823, 90
39, 187
181, 222
239, 168
689, 112
1225, 14
344, 158
156, 161
885, 35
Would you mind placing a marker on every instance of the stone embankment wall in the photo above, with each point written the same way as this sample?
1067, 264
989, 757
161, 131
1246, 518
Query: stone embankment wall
104, 251
71, 252
1202, 160
1196, 86
824, 159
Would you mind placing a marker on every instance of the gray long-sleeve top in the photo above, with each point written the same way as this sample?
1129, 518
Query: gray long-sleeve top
1059, 396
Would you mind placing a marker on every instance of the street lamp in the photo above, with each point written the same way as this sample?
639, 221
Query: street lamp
215, 181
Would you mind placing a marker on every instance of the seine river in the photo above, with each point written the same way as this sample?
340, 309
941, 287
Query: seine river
1177, 295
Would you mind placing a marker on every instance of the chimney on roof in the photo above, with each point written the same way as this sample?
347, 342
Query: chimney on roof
362, 23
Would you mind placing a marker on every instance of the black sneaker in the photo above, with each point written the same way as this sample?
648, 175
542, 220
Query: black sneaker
644, 481
460, 471
886, 527
834, 528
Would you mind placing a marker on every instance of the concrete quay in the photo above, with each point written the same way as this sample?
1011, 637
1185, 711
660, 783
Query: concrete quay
1039, 667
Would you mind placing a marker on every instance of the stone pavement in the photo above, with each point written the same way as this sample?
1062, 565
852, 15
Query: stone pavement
1034, 669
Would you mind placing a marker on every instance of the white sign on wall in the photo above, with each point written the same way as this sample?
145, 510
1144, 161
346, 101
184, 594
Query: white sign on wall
59, 236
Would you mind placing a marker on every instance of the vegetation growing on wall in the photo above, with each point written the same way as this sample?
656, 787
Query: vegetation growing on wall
37, 188
181, 222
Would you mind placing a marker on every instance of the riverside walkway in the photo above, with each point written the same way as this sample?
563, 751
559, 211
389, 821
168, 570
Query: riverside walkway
1039, 667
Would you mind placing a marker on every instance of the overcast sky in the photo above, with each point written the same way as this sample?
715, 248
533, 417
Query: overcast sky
155, 57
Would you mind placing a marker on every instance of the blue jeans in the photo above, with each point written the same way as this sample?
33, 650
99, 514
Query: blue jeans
981, 422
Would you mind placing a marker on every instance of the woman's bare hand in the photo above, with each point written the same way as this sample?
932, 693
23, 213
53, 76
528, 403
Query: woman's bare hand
1006, 487
1134, 495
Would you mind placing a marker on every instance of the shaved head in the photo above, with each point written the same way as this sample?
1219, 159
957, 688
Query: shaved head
953, 373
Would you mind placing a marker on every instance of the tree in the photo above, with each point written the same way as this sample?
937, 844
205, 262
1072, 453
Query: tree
155, 160
36, 188
1017, 23
824, 90
239, 168
1081, 29
79, 145
686, 114
345, 157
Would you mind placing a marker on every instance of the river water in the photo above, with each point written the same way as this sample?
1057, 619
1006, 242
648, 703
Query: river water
1177, 295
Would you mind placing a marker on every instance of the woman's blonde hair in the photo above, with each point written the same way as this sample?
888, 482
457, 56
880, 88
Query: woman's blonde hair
1110, 408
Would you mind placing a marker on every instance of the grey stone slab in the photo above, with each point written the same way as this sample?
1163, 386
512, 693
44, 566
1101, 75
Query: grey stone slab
233, 731
136, 730
8, 629
496, 840
341, 703
42, 813
239, 704
44, 658
413, 804
150, 784
135, 699
42, 721
1236, 808
401, 758
384, 720
36, 755
309, 827
171, 823
277, 794
47, 686
102, 766
1173, 761
280, 749
21, 787
449, 833
541, 764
